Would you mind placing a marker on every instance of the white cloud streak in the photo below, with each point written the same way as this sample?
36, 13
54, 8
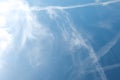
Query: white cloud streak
98, 3
105, 49
32, 30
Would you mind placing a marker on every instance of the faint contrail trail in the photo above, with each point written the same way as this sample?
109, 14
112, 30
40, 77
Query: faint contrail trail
106, 68
74, 6
111, 67
104, 50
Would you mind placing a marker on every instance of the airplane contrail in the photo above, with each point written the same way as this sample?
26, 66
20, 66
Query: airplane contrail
106, 68
110, 67
75, 6
105, 49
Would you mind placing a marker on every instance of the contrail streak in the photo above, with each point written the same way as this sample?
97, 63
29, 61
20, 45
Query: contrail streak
110, 67
75, 6
106, 68
105, 49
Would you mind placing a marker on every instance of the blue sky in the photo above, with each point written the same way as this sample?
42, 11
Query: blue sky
59, 40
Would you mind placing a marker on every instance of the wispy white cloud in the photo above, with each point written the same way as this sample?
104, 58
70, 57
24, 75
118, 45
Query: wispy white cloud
17, 25
105, 25
5, 40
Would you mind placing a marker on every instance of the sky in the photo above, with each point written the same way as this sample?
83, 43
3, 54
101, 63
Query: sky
59, 40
